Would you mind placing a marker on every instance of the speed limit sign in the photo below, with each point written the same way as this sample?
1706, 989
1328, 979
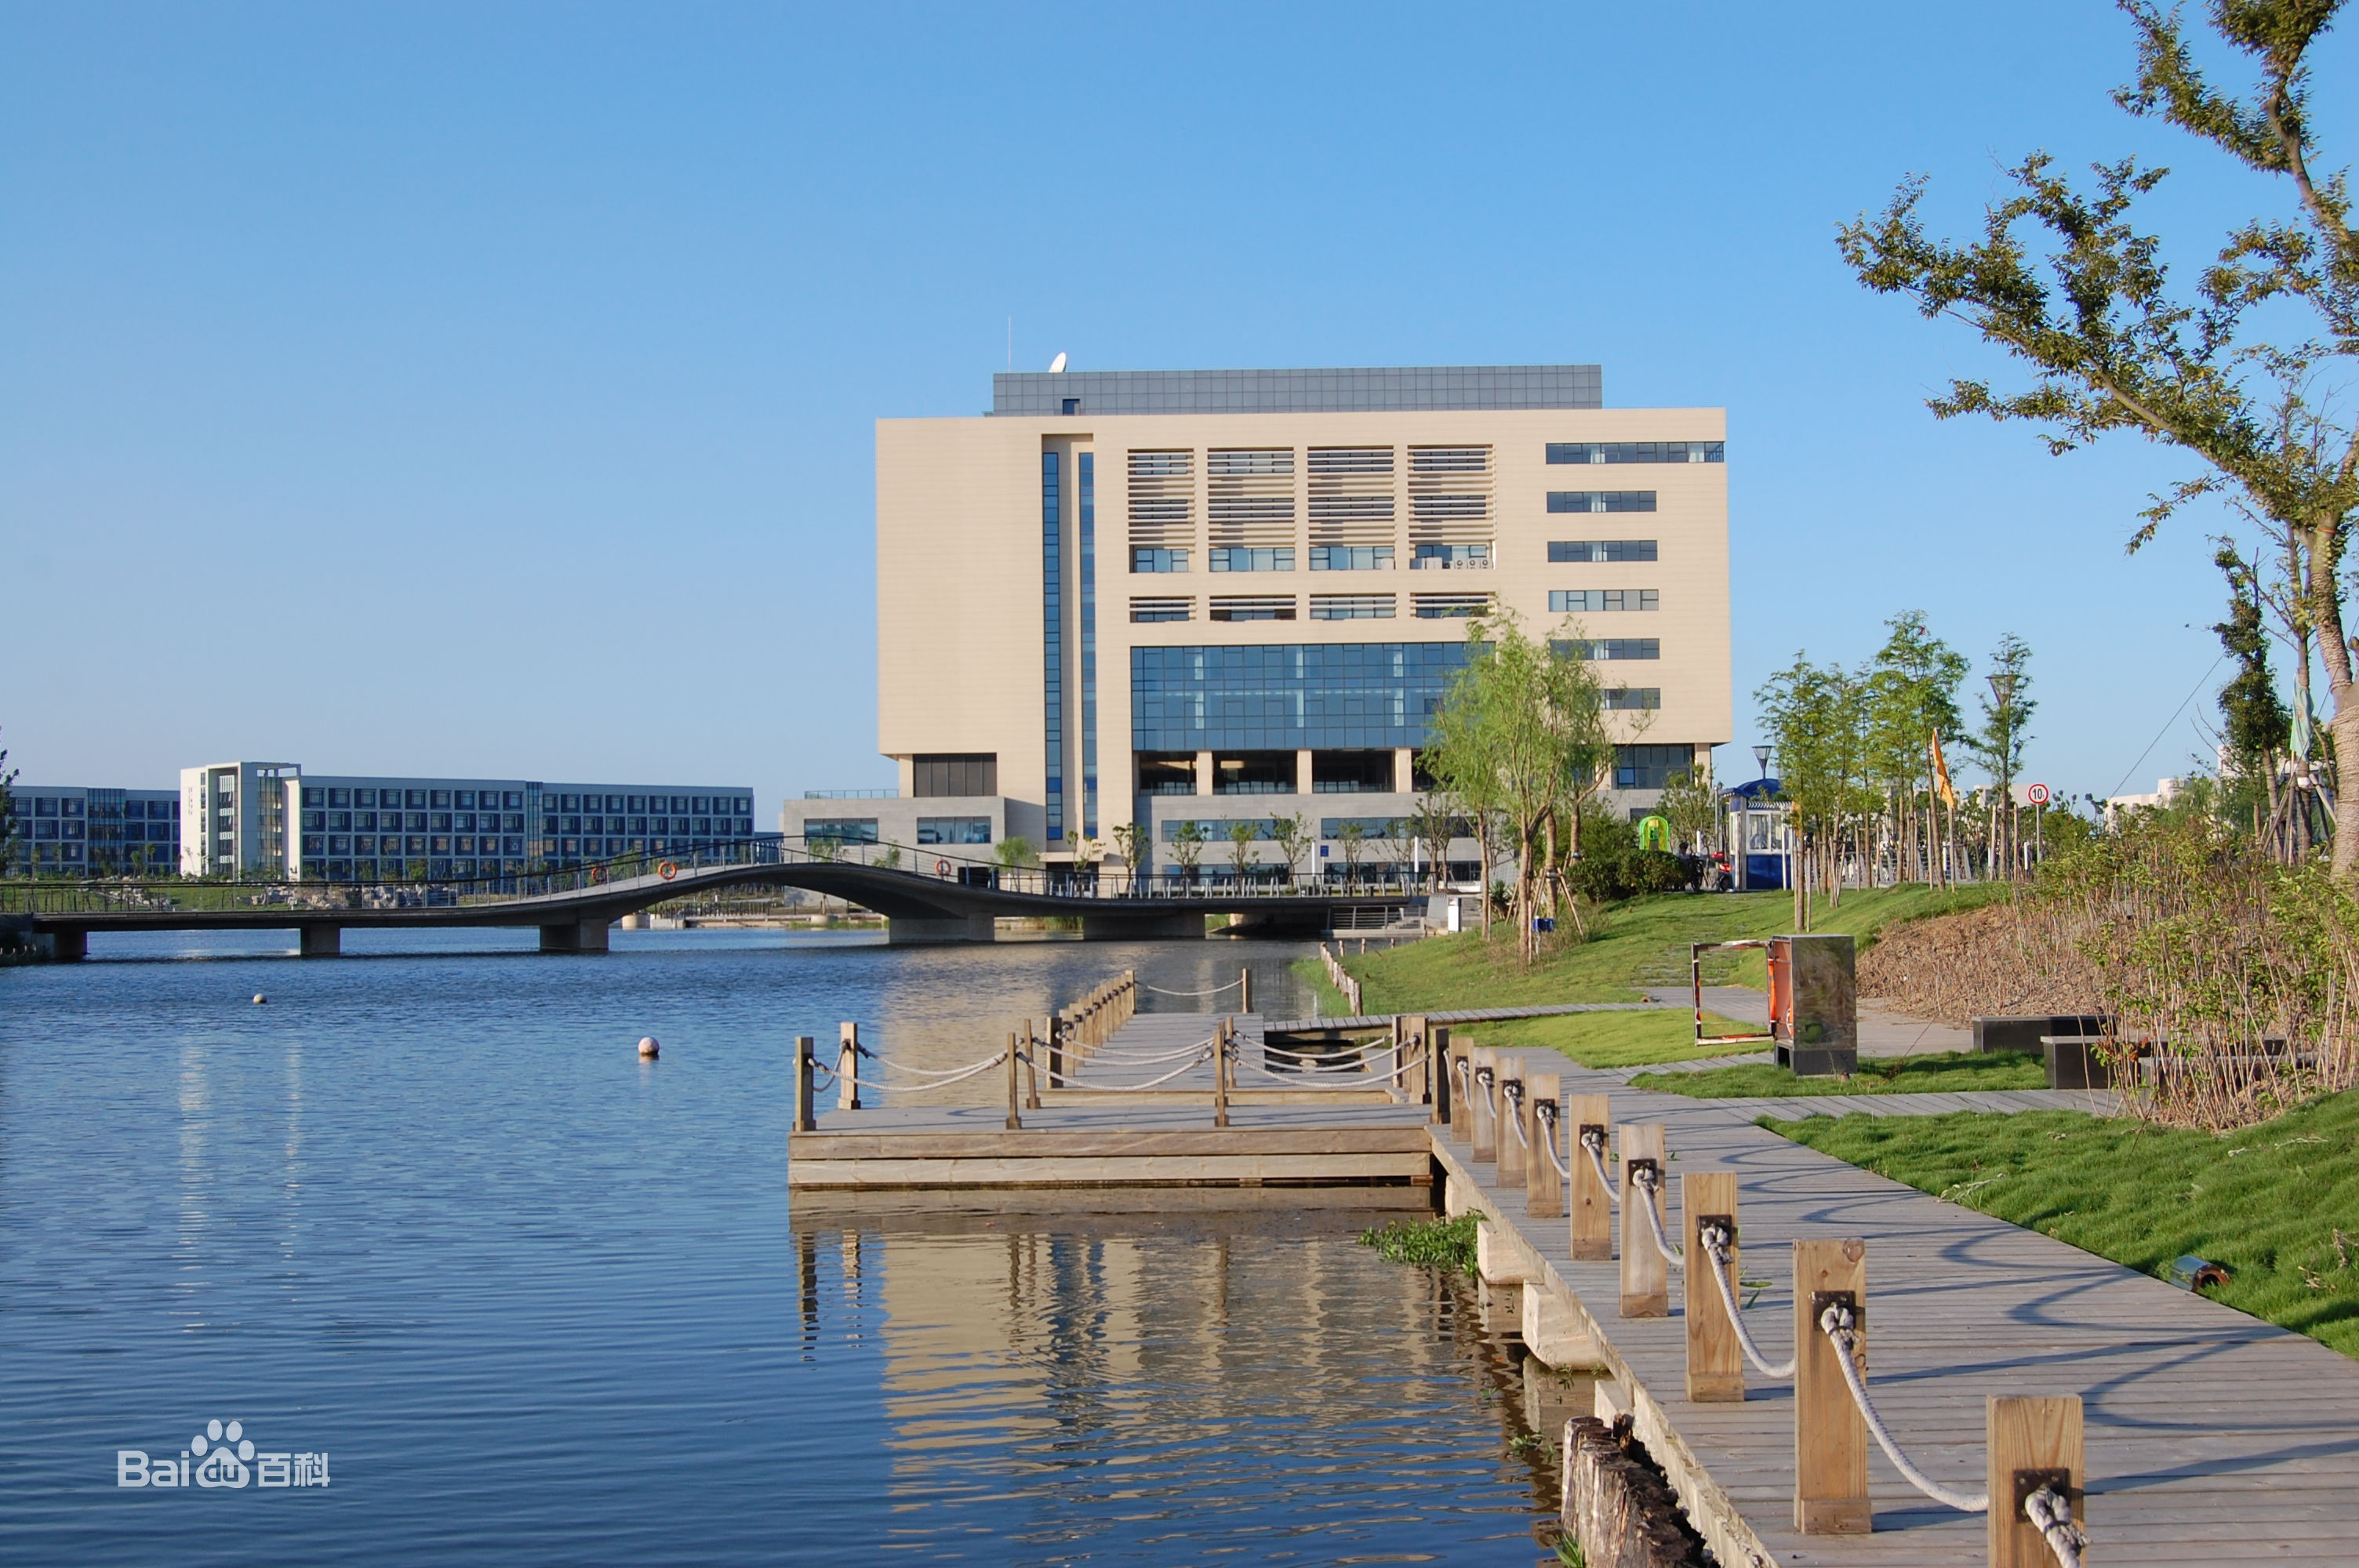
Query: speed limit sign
2037, 795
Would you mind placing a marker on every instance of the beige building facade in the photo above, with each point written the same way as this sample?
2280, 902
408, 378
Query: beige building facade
1221, 595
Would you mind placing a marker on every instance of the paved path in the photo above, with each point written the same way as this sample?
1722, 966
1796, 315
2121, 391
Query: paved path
1881, 1031
2212, 1437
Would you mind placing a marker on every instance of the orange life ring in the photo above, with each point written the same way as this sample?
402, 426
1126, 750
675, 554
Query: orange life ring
597, 874
666, 871
941, 868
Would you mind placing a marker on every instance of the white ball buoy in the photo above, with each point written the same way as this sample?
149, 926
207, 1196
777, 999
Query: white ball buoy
649, 1049
259, 999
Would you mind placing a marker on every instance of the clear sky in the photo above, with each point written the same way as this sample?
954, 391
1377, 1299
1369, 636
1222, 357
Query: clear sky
487, 389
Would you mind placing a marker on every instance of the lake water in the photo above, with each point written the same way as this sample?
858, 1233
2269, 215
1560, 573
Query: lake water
425, 1214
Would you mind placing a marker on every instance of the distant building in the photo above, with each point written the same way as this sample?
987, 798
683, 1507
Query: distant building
2166, 791
70, 831
1174, 597
272, 819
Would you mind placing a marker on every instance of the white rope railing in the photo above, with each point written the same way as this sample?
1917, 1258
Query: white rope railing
1515, 1108
837, 1075
1595, 1142
1546, 1111
2050, 1513
1202, 1057
1650, 1190
1716, 1241
1146, 1058
1216, 991
1839, 1325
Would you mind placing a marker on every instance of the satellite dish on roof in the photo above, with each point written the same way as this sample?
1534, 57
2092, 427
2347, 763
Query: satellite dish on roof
1057, 365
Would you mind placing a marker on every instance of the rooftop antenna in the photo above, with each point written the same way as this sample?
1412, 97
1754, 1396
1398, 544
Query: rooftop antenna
1057, 365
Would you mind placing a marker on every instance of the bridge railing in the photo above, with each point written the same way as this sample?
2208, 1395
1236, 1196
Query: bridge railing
924, 863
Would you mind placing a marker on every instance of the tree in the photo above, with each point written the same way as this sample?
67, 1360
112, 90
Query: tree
1188, 846
1131, 839
1814, 715
2221, 371
1431, 825
2254, 725
1998, 745
7, 812
1014, 852
1242, 835
1910, 691
1352, 838
1690, 804
1294, 841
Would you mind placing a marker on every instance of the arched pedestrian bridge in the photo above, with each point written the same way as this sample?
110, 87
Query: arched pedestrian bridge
938, 898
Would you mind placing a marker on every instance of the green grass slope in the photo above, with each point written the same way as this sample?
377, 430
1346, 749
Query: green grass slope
2277, 1203
1936, 1072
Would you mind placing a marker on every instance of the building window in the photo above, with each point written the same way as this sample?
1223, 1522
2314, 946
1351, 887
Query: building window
1284, 697
1052, 640
1600, 601
1159, 560
1564, 550
1601, 500
1143, 610
1638, 452
1238, 559
1351, 558
840, 829
1087, 464
1649, 767
1351, 607
954, 830
1596, 648
1451, 559
1450, 606
1253, 607
1632, 698
954, 773
1071, 405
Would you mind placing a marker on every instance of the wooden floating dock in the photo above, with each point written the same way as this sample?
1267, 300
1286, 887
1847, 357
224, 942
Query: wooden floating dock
2210, 1437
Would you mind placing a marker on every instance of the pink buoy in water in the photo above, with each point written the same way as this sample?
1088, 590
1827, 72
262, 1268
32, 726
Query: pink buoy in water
649, 1049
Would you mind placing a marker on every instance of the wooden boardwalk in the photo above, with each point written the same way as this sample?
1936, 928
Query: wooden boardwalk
1117, 1126
2212, 1437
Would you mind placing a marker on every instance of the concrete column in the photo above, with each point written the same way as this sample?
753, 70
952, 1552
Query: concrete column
574, 936
1404, 770
1302, 772
321, 941
1203, 772
69, 947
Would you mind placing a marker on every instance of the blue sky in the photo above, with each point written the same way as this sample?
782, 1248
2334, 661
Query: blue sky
465, 389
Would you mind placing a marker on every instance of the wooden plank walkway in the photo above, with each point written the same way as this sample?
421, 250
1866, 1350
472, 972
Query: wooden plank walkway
2211, 1436
1117, 1126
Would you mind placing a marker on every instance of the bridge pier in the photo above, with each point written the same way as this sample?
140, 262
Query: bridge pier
68, 946
1159, 927
321, 941
903, 932
574, 936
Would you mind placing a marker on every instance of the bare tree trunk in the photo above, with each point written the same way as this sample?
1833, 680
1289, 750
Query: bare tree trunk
2326, 609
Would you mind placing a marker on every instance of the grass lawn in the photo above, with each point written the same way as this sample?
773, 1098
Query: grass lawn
1937, 1071
2277, 1203
1642, 943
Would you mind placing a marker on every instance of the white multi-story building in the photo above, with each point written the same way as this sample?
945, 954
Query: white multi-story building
272, 819
1173, 596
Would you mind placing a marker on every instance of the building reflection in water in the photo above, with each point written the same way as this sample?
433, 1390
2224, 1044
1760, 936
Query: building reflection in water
1173, 1386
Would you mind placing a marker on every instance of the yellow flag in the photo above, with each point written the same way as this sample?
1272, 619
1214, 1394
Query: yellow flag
1942, 784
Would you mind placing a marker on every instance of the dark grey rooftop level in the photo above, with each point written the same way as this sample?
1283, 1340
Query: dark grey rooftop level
1350, 391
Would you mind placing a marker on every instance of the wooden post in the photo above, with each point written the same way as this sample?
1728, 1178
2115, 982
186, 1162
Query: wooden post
1591, 1204
1031, 1069
1543, 1188
1513, 1117
1457, 1113
1015, 1099
1413, 1066
1715, 1360
2032, 1441
1056, 1055
1221, 1074
1646, 1278
1482, 1062
1830, 1435
806, 1119
847, 1066
1245, 988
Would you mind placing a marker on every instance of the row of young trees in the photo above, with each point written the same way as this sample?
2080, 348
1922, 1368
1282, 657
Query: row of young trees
1863, 756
